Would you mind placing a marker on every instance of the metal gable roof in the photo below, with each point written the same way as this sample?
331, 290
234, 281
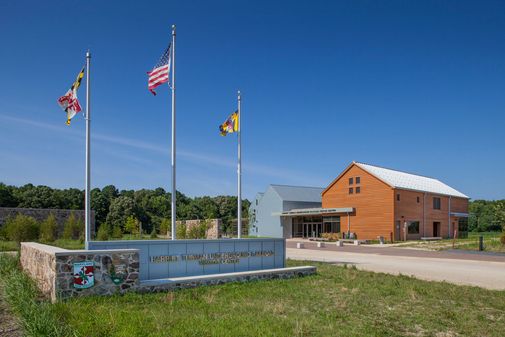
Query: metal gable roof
298, 193
410, 181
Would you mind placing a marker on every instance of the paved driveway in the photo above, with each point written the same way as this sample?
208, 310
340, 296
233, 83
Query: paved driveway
481, 271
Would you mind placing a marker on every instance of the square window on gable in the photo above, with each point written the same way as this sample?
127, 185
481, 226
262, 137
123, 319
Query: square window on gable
351, 181
417, 199
358, 180
351, 190
358, 189
398, 197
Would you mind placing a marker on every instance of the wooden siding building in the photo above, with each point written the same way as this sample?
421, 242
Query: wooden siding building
367, 202
396, 205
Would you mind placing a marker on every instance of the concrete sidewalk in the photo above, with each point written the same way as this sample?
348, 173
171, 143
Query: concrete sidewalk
397, 251
485, 274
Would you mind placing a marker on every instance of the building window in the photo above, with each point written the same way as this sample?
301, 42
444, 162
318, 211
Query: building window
436, 203
351, 190
358, 190
398, 197
413, 227
417, 199
351, 181
358, 180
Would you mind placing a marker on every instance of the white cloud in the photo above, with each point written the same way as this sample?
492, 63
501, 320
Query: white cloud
196, 157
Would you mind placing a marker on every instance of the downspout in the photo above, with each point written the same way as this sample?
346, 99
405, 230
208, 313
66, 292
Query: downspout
449, 215
424, 214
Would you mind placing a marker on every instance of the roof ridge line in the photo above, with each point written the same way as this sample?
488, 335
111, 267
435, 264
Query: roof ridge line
296, 186
395, 170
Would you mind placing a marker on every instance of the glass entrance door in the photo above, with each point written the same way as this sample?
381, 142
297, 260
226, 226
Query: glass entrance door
307, 227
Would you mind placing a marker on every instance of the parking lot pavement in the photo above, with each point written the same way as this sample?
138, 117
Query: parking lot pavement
481, 273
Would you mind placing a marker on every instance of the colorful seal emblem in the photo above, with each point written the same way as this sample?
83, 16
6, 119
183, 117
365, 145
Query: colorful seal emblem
83, 275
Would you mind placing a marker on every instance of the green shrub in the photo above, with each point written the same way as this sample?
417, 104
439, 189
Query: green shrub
154, 234
73, 228
3, 234
132, 225
80, 230
103, 232
117, 233
198, 231
180, 230
164, 226
22, 228
48, 229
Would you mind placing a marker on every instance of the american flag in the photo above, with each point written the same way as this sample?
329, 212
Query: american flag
160, 72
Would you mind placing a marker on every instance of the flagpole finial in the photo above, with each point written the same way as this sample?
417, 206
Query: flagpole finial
88, 54
238, 93
173, 29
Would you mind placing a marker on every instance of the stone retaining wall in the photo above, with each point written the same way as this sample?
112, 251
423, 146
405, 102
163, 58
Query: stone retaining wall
196, 281
117, 271
39, 262
41, 214
52, 268
213, 231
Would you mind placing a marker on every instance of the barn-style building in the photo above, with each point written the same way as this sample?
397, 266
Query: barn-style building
368, 201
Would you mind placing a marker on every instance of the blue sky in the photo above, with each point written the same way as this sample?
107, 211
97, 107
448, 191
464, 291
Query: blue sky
412, 85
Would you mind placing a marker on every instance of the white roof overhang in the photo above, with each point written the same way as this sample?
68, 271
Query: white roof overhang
314, 211
459, 215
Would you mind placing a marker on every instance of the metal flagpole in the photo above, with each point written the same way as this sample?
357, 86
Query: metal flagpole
174, 190
87, 219
239, 172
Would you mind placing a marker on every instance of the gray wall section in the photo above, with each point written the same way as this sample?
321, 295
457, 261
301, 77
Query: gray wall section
289, 205
269, 225
287, 227
287, 221
274, 226
156, 270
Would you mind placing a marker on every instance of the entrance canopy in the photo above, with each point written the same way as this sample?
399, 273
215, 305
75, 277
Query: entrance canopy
313, 222
315, 211
459, 215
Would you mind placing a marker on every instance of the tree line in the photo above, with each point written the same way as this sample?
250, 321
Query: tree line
486, 215
151, 208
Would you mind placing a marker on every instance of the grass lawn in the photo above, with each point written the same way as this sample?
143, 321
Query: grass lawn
65, 243
491, 243
337, 301
6, 246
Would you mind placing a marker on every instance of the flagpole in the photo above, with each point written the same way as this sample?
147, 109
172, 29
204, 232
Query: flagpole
239, 171
174, 190
87, 219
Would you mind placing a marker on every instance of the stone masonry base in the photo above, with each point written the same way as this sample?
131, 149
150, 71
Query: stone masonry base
116, 271
247, 276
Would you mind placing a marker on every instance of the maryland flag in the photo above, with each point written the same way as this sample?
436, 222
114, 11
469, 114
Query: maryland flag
230, 125
69, 101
